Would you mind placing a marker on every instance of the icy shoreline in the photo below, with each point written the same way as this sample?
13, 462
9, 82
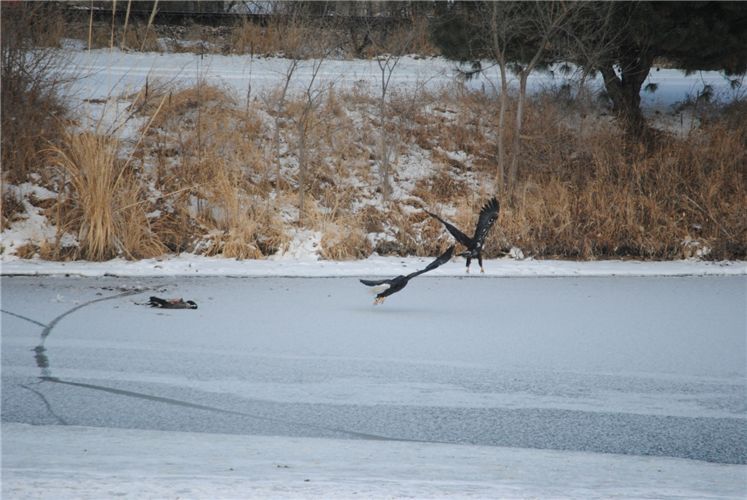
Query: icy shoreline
194, 265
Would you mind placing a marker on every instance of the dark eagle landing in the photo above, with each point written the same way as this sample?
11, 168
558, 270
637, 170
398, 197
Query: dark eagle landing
488, 216
394, 285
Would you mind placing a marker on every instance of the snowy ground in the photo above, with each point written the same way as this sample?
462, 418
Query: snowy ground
113, 73
308, 265
93, 463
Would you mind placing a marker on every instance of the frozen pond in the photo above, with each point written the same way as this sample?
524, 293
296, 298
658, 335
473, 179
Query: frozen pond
623, 365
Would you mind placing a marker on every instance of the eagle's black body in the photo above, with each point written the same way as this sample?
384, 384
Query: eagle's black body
172, 303
396, 284
488, 216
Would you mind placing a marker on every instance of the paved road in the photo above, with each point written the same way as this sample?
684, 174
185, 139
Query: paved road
650, 366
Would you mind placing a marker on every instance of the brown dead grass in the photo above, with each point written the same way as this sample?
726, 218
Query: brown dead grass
10, 209
343, 231
204, 144
107, 214
223, 190
242, 228
622, 204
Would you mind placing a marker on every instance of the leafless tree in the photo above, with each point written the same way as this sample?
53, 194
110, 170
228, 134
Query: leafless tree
500, 17
308, 53
313, 95
544, 21
292, 38
517, 38
390, 52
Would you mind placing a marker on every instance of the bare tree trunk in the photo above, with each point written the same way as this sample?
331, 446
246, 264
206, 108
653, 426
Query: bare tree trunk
625, 92
514, 168
501, 172
386, 185
302, 168
550, 21
387, 68
312, 96
387, 65
584, 99
498, 31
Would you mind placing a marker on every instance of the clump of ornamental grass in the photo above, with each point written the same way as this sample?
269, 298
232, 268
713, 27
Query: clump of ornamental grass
107, 205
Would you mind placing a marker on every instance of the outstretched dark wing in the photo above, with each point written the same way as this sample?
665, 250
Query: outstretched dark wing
442, 259
488, 216
456, 233
375, 282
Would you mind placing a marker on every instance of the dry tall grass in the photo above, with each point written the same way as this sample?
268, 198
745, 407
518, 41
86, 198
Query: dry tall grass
617, 202
106, 207
201, 141
220, 185
239, 227
343, 234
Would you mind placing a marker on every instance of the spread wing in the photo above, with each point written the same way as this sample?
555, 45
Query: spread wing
442, 259
488, 216
456, 233
376, 282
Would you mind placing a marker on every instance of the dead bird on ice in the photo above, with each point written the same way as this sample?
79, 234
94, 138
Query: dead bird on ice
171, 303
389, 286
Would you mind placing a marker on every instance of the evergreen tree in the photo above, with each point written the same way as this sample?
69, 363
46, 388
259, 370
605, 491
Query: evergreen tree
621, 40
688, 35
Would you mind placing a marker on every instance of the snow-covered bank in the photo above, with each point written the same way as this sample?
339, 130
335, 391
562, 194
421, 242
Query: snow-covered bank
103, 73
195, 265
63, 462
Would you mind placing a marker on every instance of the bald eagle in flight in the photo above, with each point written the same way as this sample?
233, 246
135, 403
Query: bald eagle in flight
387, 287
488, 216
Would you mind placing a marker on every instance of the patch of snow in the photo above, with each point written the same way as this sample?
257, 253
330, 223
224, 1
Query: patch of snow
695, 249
27, 189
205, 243
458, 156
73, 44
304, 246
516, 253
411, 167
68, 240
110, 115
31, 226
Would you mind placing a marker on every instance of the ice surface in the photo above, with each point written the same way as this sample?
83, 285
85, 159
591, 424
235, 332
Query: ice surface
94, 463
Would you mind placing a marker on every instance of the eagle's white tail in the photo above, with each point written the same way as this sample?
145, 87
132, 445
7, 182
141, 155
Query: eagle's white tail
375, 290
